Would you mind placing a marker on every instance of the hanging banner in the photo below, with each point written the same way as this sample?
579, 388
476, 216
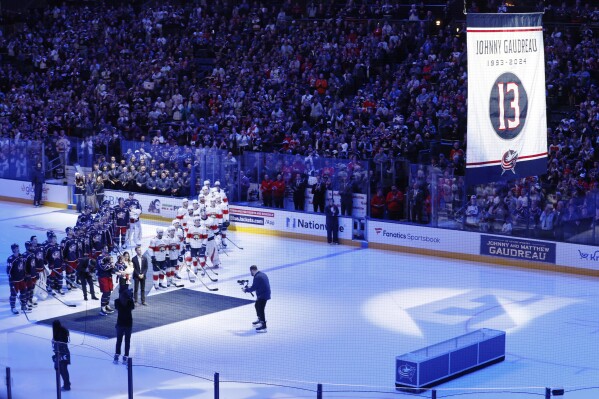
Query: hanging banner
507, 124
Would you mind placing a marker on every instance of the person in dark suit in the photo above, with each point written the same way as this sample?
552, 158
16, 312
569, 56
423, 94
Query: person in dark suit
62, 356
416, 201
332, 222
140, 267
87, 267
261, 286
124, 322
299, 192
37, 182
319, 191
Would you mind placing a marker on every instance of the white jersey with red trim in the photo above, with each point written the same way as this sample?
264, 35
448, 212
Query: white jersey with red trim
158, 248
186, 222
223, 196
218, 214
174, 246
211, 226
181, 212
212, 211
196, 236
134, 215
224, 206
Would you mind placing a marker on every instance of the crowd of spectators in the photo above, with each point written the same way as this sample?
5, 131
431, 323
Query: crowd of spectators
378, 81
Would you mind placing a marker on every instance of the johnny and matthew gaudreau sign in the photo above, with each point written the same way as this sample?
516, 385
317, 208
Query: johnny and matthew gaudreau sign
514, 248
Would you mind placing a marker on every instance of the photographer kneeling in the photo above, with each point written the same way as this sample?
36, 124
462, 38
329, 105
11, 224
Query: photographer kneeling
261, 286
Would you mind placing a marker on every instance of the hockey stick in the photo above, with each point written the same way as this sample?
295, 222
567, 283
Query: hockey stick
234, 243
70, 305
209, 276
201, 281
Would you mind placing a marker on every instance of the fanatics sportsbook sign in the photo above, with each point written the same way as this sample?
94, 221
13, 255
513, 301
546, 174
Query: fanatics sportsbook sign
507, 124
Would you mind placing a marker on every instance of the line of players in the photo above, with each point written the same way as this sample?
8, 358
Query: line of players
85, 253
53, 268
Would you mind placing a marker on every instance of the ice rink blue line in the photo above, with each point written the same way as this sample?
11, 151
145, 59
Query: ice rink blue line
299, 262
29, 216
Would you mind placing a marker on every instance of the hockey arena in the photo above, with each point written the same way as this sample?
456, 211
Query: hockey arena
339, 316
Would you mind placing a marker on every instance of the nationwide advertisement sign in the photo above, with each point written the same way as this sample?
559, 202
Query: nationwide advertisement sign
288, 222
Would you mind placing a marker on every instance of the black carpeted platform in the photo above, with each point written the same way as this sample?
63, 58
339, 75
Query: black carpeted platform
169, 307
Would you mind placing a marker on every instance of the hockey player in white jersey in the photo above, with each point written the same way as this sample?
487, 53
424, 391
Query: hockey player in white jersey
158, 250
181, 236
187, 220
211, 244
197, 236
202, 204
224, 226
172, 254
218, 215
134, 231
221, 193
182, 210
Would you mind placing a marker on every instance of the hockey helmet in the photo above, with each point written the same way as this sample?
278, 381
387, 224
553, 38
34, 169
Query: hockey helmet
106, 203
68, 230
202, 198
185, 201
217, 183
194, 202
175, 221
190, 208
50, 234
159, 230
207, 183
170, 229
14, 246
197, 220
27, 245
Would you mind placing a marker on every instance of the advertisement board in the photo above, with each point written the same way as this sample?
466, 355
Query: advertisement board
287, 222
150, 204
517, 248
427, 238
23, 190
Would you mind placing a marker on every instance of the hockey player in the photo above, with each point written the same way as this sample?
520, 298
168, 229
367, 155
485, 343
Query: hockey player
54, 261
224, 208
196, 206
16, 280
187, 220
220, 192
70, 255
181, 237
121, 220
196, 245
218, 215
182, 210
134, 231
211, 245
85, 216
30, 274
202, 205
40, 269
158, 250
135, 211
97, 242
172, 255
105, 270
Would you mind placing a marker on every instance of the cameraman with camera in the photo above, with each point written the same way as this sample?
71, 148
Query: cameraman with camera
261, 286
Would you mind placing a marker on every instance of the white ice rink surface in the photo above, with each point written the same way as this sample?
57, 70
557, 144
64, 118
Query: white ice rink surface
338, 315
